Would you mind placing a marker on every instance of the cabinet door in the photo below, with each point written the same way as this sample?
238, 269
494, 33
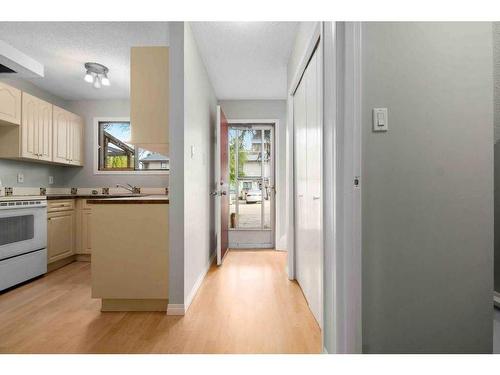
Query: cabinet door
44, 131
86, 247
10, 104
60, 239
76, 153
29, 127
61, 134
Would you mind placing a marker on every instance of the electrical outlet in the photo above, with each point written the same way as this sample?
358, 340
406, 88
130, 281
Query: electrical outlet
51, 180
20, 178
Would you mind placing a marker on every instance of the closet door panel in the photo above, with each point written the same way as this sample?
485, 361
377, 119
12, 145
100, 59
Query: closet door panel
300, 152
314, 161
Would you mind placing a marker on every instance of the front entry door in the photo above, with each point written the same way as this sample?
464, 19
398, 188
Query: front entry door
221, 186
251, 186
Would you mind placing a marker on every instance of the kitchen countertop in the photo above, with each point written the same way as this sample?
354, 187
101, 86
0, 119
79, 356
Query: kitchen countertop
89, 196
144, 199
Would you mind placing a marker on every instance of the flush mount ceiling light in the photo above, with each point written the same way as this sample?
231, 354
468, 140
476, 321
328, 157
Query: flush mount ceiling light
97, 74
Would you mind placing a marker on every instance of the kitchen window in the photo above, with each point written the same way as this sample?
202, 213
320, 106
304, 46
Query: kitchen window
114, 154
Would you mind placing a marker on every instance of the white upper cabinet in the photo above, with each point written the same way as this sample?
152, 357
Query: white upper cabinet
77, 140
67, 137
61, 135
46, 132
36, 128
149, 97
10, 105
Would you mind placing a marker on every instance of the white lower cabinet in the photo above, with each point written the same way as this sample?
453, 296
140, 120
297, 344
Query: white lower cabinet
60, 235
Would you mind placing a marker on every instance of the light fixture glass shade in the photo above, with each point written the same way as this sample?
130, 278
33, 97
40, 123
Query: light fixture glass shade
97, 82
88, 77
105, 80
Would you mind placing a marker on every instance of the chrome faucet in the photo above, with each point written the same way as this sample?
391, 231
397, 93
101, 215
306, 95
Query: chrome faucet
127, 187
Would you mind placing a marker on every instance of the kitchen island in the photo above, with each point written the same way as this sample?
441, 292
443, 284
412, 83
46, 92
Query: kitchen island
130, 252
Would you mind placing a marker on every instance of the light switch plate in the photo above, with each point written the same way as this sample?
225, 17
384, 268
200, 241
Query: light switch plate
20, 178
380, 120
51, 180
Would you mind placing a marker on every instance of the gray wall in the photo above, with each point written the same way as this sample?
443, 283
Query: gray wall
428, 188
176, 188
85, 177
200, 116
496, 71
35, 174
267, 109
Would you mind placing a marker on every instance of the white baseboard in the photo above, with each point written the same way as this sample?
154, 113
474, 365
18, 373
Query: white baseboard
175, 309
197, 284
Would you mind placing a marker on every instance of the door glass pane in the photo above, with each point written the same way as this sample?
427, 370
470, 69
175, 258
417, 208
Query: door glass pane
266, 179
249, 204
233, 186
249, 153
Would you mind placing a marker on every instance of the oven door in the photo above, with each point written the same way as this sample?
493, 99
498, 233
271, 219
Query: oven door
22, 230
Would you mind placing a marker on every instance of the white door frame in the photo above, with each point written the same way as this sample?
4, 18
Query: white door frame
342, 156
277, 171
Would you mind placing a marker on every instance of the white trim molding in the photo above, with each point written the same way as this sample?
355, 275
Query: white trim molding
175, 309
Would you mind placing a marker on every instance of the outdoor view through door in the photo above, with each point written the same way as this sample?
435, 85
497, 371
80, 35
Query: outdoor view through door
251, 185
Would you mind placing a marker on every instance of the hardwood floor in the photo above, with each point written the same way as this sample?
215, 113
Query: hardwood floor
246, 306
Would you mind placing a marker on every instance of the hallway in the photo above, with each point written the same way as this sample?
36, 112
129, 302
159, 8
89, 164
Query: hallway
246, 306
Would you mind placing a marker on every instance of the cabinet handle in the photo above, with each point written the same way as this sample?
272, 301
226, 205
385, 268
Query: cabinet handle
315, 198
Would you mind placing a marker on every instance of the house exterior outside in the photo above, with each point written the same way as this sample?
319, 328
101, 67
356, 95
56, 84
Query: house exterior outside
155, 161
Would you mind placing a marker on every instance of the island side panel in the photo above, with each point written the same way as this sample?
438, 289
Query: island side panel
129, 251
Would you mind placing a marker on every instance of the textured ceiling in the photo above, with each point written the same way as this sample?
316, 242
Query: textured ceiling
63, 47
246, 60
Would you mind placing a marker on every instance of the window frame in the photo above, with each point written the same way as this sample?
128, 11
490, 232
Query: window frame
95, 152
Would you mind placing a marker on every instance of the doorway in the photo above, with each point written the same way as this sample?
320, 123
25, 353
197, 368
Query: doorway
251, 160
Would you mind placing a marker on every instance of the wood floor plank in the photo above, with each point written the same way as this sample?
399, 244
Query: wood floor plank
246, 306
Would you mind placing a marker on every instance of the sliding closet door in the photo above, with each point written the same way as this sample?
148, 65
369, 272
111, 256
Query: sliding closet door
314, 149
308, 234
300, 154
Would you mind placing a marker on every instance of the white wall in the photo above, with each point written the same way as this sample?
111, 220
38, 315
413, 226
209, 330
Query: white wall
304, 34
275, 110
428, 188
200, 105
85, 177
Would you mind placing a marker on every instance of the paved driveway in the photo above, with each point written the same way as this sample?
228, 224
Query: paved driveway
250, 214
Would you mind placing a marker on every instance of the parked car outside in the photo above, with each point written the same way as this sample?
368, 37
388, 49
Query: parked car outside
253, 196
